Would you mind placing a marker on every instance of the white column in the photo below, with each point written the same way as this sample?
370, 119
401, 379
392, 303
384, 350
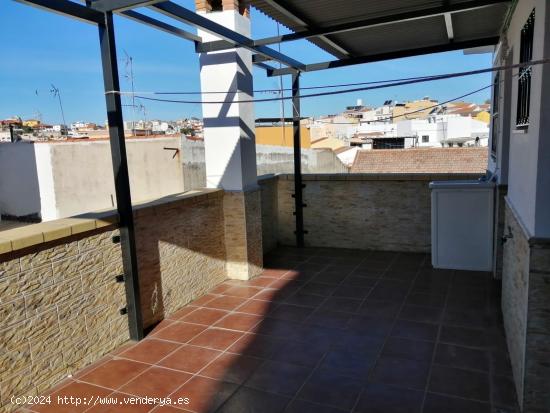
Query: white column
229, 136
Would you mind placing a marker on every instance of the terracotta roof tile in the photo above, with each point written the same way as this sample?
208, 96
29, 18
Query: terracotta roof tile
426, 160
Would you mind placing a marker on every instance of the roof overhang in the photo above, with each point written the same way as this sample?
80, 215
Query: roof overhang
354, 31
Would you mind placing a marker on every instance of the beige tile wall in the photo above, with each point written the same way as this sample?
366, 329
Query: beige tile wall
59, 311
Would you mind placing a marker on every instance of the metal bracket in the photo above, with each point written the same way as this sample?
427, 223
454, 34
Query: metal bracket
506, 237
176, 151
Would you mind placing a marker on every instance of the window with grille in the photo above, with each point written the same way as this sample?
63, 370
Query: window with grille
524, 80
494, 122
425, 138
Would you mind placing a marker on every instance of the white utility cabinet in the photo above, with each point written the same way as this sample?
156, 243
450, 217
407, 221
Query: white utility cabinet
462, 225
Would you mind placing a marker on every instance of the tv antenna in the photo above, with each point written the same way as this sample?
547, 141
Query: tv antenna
129, 76
56, 93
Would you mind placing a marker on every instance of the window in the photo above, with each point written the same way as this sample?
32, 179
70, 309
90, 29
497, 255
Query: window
524, 79
425, 138
494, 121
388, 143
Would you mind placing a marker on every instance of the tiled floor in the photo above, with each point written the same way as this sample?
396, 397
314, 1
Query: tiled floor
321, 331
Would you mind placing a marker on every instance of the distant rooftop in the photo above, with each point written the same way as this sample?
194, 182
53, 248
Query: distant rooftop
426, 160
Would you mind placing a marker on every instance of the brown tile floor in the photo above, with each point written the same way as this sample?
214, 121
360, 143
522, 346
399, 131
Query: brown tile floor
321, 330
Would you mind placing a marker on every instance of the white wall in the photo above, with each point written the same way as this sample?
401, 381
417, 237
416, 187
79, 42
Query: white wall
55, 180
347, 157
444, 128
529, 156
19, 189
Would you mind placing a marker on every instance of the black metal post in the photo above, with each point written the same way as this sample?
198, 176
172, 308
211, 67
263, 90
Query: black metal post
298, 199
120, 171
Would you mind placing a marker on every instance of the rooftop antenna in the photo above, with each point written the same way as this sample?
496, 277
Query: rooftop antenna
57, 94
129, 75
144, 110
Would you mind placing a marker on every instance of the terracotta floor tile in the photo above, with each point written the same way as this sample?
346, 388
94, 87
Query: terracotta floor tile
201, 301
274, 272
256, 345
182, 312
156, 382
114, 373
280, 378
180, 332
244, 291
205, 395
254, 401
260, 281
216, 339
241, 322
205, 316
282, 283
225, 303
269, 294
85, 370
149, 350
258, 307
160, 326
84, 391
189, 358
122, 403
220, 289
168, 409
232, 368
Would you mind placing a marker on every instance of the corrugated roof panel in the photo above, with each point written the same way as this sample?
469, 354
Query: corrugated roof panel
399, 36
475, 24
479, 23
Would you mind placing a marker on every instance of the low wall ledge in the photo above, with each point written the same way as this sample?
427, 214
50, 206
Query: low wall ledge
44, 232
382, 177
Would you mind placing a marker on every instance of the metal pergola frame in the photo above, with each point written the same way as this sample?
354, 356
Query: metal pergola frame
100, 13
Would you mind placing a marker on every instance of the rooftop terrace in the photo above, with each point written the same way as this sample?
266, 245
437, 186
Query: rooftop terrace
320, 330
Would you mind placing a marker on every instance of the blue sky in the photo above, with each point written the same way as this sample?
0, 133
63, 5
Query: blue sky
41, 48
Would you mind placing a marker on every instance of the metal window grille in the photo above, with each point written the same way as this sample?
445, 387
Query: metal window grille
524, 80
494, 123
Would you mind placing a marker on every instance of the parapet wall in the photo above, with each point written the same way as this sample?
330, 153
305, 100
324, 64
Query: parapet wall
359, 211
60, 302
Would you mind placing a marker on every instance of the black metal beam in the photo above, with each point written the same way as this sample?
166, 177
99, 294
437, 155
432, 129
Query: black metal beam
120, 5
157, 24
290, 12
298, 194
447, 47
67, 8
379, 21
120, 172
264, 66
184, 15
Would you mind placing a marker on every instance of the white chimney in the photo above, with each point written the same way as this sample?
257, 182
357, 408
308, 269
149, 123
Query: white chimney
359, 102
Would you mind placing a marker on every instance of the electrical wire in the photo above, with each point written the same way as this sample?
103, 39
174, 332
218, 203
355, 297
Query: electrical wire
426, 108
378, 85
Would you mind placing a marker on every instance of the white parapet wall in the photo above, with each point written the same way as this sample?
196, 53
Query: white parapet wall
55, 180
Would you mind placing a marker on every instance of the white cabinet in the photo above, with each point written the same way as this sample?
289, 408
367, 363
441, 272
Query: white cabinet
462, 225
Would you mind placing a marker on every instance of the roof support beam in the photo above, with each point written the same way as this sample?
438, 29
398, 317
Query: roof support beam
189, 17
120, 5
449, 26
379, 21
157, 24
291, 13
391, 55
68, 8
120, 173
